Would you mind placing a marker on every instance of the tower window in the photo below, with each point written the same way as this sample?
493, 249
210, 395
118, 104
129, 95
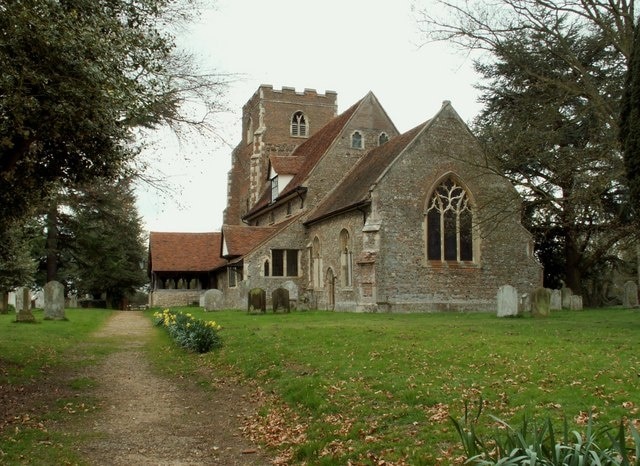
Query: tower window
299, 126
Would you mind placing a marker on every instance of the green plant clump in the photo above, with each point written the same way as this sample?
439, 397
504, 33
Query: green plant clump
192, 334
536, 443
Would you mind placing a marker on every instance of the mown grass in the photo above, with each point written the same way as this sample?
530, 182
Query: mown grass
372, 387
36, 389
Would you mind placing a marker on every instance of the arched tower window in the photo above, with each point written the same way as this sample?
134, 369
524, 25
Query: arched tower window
384, 137
356, 140
299, 125
346, 259
449, 223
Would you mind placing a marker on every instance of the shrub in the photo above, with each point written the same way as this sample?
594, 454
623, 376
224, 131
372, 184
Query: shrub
196, 335
536, 443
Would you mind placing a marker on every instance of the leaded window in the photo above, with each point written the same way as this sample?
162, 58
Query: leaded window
449, 224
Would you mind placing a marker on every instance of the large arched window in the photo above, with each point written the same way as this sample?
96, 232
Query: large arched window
299, 126
346, 259
449, 223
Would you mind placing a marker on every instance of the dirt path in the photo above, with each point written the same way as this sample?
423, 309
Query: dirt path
149, 420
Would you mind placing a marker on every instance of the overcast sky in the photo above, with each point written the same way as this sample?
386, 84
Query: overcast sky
348, 46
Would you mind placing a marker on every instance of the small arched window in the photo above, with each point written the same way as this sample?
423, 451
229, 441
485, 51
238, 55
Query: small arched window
299, 126
384, 137
449, 223
356, 140
267, 269
346, 259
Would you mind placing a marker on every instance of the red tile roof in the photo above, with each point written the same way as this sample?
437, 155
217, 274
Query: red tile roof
309, 152
285, 164
240, 240
185, 252
354, 188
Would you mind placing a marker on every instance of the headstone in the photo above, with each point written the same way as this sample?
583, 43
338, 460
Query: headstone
292, 288
4, 302
257, 300
213, 300
280, 300
541, 302
576, 303
23, 306
566, 297
507, 301
71, 301
556, 300
39, 299
630, 297
54, 301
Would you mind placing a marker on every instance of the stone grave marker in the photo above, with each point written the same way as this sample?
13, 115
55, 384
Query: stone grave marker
507, 301
213, 300
630, 297
556, 300
54, 301
280, 299
257, 300
292, 288
23, 306
541, 302
566, 294
576, 303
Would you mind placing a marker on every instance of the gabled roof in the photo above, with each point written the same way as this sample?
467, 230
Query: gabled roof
309, 152
184, 252
239, 240
353, 190
285, 164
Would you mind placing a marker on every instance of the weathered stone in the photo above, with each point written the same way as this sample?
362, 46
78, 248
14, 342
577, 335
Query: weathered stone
71, 301
556, 300
39, 299
54, 301
576, 303
213, 300
23, 306
280, 299
507, 301
257, 300
566, 294
630, 296
541, 302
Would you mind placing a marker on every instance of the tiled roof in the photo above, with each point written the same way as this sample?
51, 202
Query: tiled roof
185, 252
310, 152
354, 187
242, 239
285, 164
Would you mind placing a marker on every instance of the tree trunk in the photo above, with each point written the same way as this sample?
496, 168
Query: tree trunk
573, 274
52, 242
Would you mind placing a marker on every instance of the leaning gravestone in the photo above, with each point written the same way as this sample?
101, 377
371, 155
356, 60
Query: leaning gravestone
556, 300
213, 300
23, 306
54, 301
566, 294
541, 302
257, 300
280, 300
507, 301
630, 297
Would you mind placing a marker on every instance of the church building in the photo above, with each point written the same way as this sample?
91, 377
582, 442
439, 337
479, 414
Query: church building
350, 215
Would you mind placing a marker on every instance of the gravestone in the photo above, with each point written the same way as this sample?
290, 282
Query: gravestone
576, 303
566, 294
23, 306
630, 297
39, 299
556, 300
213, 300
280, 300
4, 302
507, 301
71, 301
292, 288
257, 300
541, 302
54, 301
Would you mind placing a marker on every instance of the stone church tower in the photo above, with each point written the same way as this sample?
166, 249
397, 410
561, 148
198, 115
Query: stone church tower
274, 122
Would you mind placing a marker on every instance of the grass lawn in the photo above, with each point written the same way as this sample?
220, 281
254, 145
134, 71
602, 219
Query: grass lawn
380, 387
35, 390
